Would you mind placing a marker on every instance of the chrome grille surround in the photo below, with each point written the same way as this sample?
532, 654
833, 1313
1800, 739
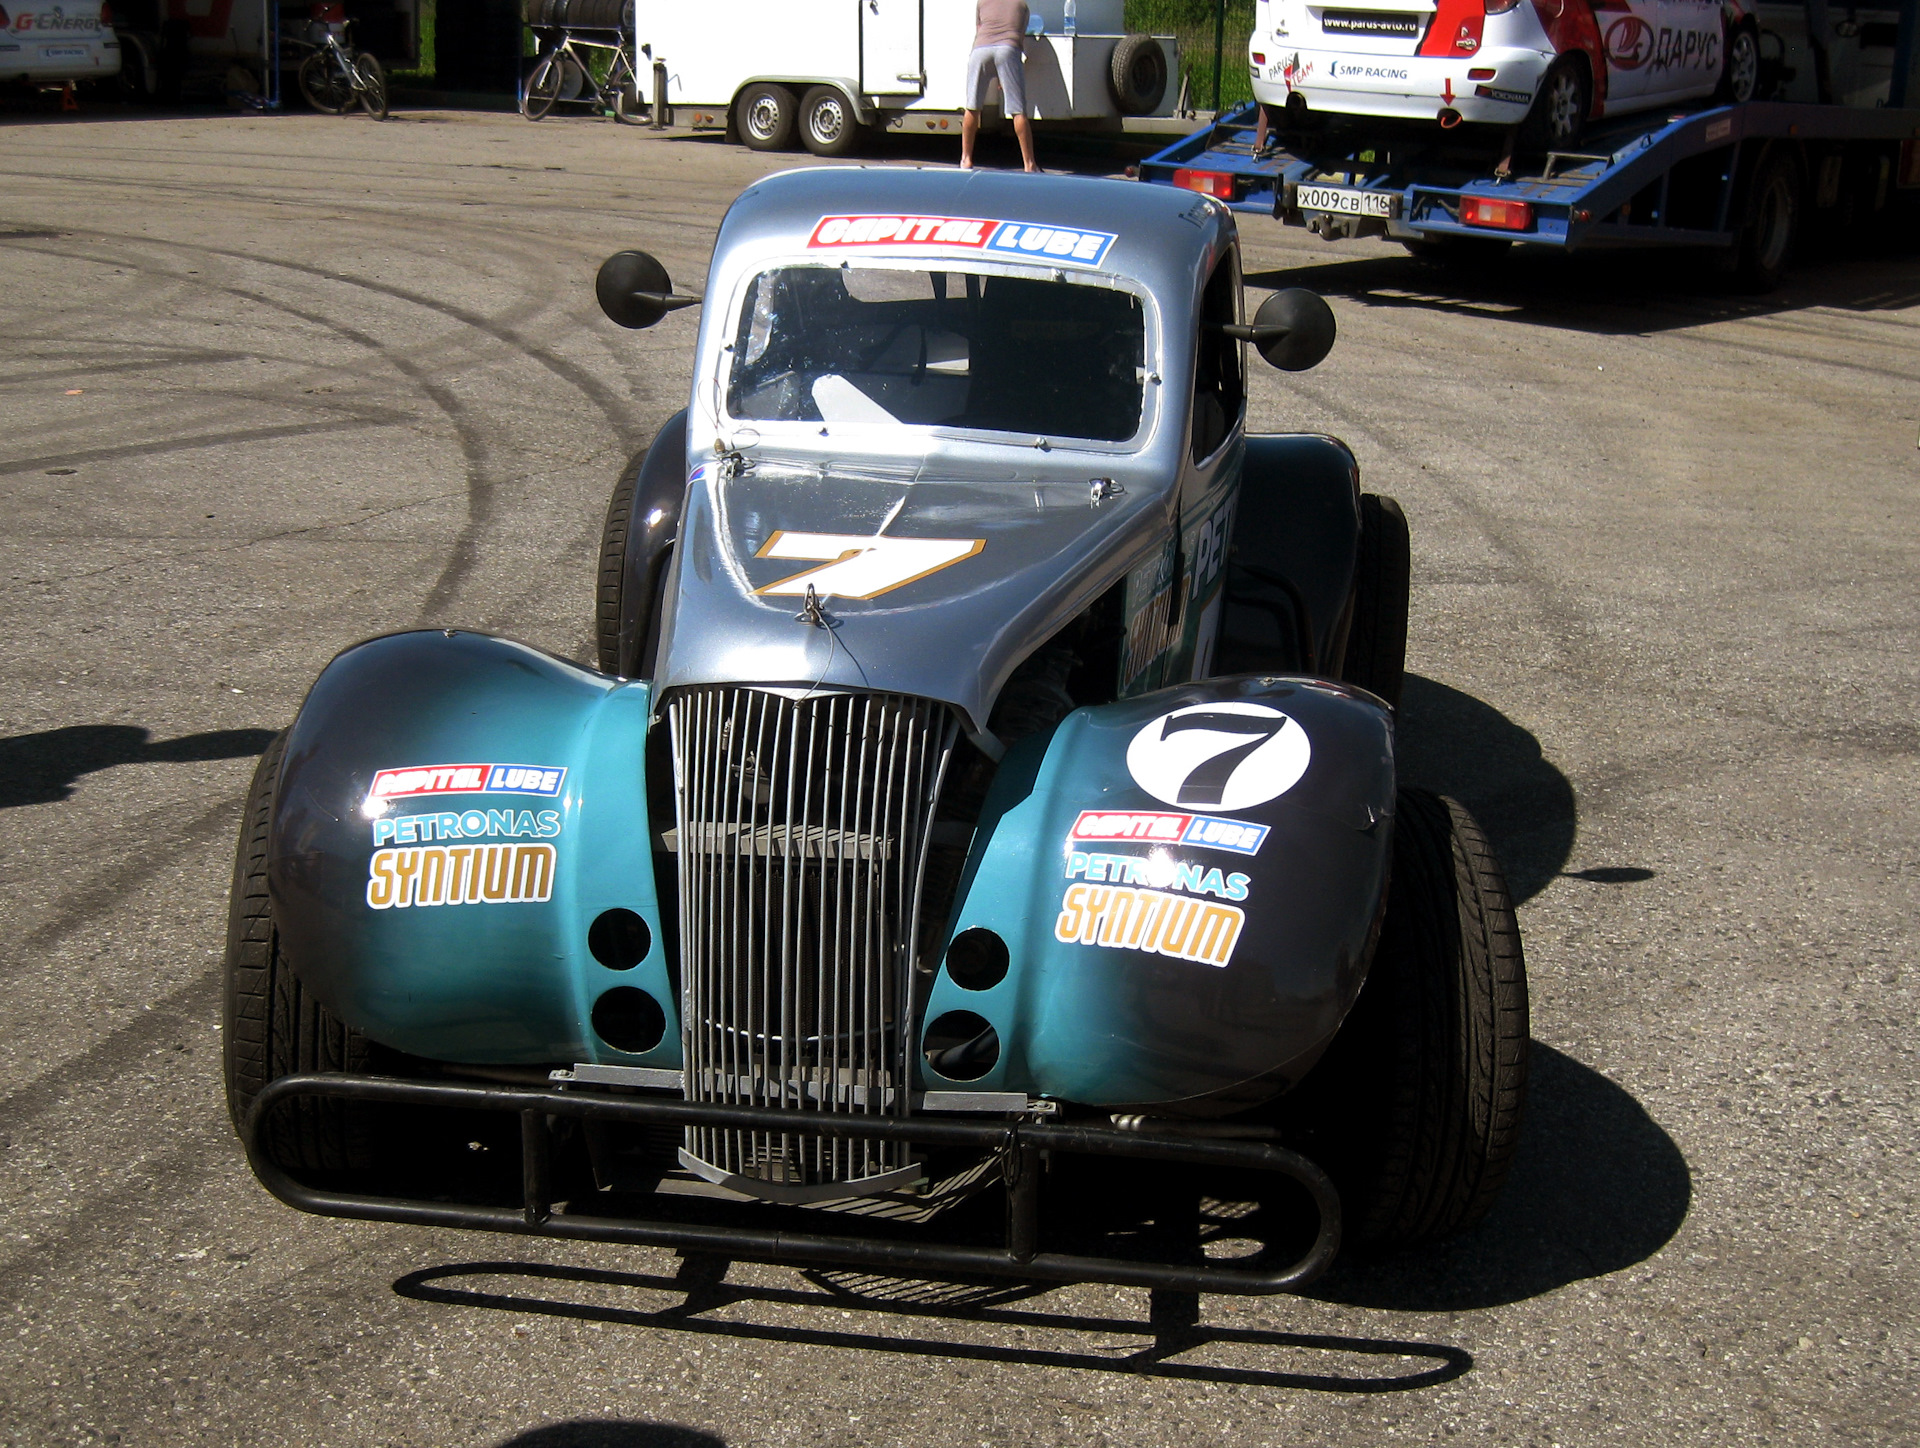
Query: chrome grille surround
803, 821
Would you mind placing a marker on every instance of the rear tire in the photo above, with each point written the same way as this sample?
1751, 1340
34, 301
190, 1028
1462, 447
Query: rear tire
827, 123
1764, 250
271, 1027
1415, 1108
373, 85
764, 116
1560, 109
609, 600
1376, 657
1740, 74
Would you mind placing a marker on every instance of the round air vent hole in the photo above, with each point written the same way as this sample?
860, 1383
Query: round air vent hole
977, 959
628, 1019
619, 939
961, 1046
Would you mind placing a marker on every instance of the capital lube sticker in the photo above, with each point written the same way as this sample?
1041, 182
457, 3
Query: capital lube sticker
1227, 756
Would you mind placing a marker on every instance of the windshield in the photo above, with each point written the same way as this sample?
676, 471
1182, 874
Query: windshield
957, 349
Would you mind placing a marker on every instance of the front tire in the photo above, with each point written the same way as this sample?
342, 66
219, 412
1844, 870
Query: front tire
543, 88
325, 88
827, 123
1740, 75
764, 116
271, 1027
1415, 1108
609, 602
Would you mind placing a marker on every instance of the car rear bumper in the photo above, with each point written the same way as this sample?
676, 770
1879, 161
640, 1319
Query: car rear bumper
1019, 1144
1413, 87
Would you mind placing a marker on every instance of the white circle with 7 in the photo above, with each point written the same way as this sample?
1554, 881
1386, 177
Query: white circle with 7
1230, 755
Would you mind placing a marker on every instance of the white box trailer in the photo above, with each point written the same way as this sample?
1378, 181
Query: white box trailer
819, 71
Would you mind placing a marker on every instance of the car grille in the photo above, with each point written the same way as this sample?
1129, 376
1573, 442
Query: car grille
1394, 25
803, 819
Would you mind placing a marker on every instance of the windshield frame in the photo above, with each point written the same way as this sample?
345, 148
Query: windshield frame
795, 431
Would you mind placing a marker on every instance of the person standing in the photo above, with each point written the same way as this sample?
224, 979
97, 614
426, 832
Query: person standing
999, 30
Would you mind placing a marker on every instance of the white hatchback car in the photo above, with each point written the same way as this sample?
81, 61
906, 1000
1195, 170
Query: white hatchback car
57, 40
1553, 64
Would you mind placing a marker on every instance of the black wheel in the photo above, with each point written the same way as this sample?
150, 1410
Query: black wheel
322, 83
136, 73
1376, 657
1559, 111
764, 116
827, 124
543, 86
1740, 72
1138, 74
1765, 246
373, 85
270, 1026
1415, 1108
610, 598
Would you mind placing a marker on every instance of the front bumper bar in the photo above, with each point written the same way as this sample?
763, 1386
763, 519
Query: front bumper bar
1018, 1143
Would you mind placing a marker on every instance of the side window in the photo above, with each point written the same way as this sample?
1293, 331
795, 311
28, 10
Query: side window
1219, 389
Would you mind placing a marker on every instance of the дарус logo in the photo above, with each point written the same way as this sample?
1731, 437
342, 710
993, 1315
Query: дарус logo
1230, 755
1629, 43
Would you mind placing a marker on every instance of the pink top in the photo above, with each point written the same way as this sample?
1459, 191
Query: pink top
999, 22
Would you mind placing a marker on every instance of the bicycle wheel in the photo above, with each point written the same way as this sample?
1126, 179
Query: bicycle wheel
323, 84
543, 87
372, 83
625, 85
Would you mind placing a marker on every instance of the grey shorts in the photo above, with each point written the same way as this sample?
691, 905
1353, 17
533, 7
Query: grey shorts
1010, 65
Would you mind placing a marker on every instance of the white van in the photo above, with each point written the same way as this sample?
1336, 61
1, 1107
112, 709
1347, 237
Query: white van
49, 41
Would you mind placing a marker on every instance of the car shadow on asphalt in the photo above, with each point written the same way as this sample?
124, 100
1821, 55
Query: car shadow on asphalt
612, 1433
984, 1322
43, 768
1610, 294
1596, 1187
1457, 745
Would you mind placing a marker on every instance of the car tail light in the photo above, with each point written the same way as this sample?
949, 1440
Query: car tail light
1498, 214
1258, 58
106, 13
1207, 183
1480, 72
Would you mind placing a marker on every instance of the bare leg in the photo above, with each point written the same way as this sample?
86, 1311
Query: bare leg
969, 128
1023, 128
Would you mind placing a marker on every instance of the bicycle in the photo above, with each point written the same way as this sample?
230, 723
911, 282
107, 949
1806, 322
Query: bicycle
336, 76
564, 73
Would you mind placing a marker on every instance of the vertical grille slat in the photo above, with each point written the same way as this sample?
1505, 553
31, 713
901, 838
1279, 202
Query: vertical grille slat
802, 832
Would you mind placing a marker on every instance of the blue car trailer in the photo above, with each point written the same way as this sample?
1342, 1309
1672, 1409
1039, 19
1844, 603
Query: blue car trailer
1747, 180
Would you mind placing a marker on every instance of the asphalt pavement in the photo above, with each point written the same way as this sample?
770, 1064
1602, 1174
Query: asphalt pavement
271, 385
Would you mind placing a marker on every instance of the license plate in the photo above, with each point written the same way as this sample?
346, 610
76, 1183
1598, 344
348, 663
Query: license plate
63, 52
1345, 201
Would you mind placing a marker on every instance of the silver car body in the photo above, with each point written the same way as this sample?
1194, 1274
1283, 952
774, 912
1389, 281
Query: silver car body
1026, 530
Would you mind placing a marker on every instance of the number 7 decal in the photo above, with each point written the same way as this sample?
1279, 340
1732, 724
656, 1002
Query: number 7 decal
855, 565
1229, 755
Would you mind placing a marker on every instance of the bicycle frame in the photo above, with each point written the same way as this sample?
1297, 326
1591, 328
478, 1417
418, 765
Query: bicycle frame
578, 49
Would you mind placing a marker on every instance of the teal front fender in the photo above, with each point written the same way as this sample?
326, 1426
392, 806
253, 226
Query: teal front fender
1187, 886
454, 815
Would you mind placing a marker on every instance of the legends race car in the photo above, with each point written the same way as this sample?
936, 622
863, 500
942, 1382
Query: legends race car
1548, 64
984, 801
42, 44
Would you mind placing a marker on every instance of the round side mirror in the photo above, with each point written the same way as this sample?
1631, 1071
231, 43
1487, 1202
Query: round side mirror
1294, 329
633, 289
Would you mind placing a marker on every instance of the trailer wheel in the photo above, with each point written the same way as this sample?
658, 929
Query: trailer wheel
1138, 72
1560, 109
1415, 1108
1376, 657
1764, 249
764, 115
1740, 73
270, 1026
827, 123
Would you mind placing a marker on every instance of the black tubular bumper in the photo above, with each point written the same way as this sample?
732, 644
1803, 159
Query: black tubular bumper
1019, 1143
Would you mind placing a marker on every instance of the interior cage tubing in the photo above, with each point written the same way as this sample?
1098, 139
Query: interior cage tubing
1019, 1142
